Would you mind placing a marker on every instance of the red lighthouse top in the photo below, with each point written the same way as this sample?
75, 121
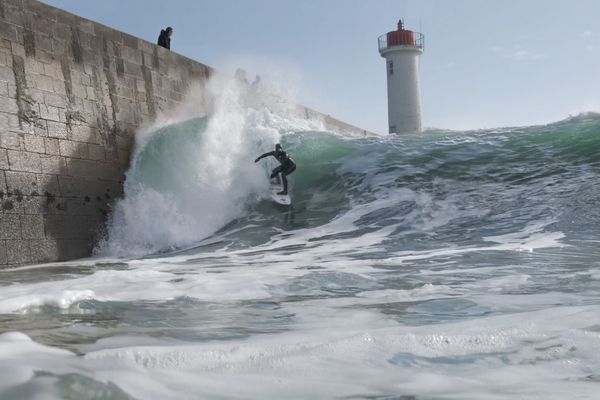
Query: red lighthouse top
401, 37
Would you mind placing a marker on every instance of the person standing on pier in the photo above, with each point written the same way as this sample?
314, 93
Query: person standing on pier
164, 39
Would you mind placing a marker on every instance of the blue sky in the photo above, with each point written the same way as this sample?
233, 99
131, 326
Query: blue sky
486, 63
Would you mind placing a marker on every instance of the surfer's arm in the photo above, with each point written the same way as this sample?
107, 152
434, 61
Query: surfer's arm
264, 155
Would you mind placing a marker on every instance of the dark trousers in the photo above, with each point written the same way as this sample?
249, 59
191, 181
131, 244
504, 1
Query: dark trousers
283, 172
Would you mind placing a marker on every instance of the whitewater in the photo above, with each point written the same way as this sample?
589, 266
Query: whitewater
443, 265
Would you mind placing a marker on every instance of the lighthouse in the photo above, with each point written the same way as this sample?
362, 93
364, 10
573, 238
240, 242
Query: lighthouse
401, 50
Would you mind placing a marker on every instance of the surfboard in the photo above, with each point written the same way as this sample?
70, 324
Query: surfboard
276, 187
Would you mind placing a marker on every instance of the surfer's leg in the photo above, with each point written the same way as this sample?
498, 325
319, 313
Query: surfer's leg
284, 179
284, 175
275, 172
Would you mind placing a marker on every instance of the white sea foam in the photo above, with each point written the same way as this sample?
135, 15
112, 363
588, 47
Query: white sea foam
541, 355
211, 174
242, 274
332, 347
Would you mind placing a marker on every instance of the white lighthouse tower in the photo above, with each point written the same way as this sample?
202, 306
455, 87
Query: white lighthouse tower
401, 50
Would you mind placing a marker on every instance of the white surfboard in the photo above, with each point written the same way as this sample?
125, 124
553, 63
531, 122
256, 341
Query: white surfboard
276, 187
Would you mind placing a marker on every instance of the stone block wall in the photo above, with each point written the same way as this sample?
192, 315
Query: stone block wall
72, 93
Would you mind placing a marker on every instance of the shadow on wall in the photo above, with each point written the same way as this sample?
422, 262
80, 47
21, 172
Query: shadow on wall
70, 205
58, 216
73, 176
76, 204
90, 179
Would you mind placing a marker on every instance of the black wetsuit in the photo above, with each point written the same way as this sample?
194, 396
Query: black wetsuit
287, 166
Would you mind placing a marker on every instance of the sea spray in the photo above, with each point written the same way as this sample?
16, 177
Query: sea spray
192, 174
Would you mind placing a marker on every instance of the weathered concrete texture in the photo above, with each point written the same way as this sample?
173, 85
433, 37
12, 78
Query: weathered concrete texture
331, 124
72, 94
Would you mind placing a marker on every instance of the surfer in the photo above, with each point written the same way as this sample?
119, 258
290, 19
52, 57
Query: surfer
287, 165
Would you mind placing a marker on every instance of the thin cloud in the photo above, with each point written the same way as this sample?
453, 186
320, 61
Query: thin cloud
527, 55
518, 53
590, 40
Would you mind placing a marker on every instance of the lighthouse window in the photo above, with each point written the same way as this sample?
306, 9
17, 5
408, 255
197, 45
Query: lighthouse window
391, 67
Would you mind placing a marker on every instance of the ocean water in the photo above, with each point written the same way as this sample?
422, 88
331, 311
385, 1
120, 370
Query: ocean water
447, 265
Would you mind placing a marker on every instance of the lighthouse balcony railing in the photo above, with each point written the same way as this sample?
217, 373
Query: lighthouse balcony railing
417, 41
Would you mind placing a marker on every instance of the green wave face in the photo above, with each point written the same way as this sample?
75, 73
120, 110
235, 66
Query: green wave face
164, 160
456, 186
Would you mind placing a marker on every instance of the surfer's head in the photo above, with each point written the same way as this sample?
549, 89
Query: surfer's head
278, 147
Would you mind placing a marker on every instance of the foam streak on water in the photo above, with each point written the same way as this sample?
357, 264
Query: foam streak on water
452, 265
